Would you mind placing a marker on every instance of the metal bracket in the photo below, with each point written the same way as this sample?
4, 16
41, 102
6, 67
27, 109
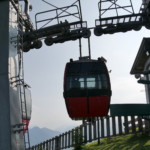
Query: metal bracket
18, 125
143, 81
18, 131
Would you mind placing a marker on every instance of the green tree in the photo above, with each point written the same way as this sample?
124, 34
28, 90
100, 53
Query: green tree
40, 147
78, 140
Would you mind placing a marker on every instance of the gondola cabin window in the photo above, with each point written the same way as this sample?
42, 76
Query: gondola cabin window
87, 82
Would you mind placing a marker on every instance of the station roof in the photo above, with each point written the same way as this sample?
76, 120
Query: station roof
142, 57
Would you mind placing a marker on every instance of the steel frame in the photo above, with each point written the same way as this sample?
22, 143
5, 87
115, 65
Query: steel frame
120, 23
77, 14
60, 31
58, 15
26, 19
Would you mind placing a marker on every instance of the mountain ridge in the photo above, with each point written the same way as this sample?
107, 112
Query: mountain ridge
38, 135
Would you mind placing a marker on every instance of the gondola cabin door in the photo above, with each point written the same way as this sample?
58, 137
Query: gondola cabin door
87, 89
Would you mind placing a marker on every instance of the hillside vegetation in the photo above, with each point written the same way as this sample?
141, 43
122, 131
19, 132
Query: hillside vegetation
124, 142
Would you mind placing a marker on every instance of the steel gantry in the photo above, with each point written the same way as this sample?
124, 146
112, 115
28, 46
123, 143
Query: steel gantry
114, 16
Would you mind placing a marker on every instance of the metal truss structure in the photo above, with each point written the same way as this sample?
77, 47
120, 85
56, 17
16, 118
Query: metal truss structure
66, 23
24, 18
58, 28
116, 17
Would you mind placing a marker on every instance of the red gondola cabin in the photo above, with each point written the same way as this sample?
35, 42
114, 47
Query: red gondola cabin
87, 89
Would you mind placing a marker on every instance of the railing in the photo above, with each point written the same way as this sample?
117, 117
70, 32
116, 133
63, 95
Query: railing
56, 16
99, 128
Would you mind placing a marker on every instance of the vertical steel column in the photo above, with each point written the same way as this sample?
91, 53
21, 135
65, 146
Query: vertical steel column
80, 44
98, 129
5, 128
89, 46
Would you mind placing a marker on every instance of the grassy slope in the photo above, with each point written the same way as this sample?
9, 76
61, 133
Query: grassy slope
124, 142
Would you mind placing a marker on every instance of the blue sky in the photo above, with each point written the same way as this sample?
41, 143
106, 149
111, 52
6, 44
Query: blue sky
44, 68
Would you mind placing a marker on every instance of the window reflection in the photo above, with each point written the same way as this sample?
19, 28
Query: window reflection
98, 81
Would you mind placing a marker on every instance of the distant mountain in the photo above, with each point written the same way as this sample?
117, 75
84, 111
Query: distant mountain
38, 135
65, 128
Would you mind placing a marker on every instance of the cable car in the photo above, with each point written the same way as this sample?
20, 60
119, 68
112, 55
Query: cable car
87, 89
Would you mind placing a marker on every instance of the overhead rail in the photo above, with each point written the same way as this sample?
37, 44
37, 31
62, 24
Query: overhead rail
57, 26
63, 24
120, 18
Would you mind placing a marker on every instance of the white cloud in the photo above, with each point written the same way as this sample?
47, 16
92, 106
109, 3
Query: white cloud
127, 90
